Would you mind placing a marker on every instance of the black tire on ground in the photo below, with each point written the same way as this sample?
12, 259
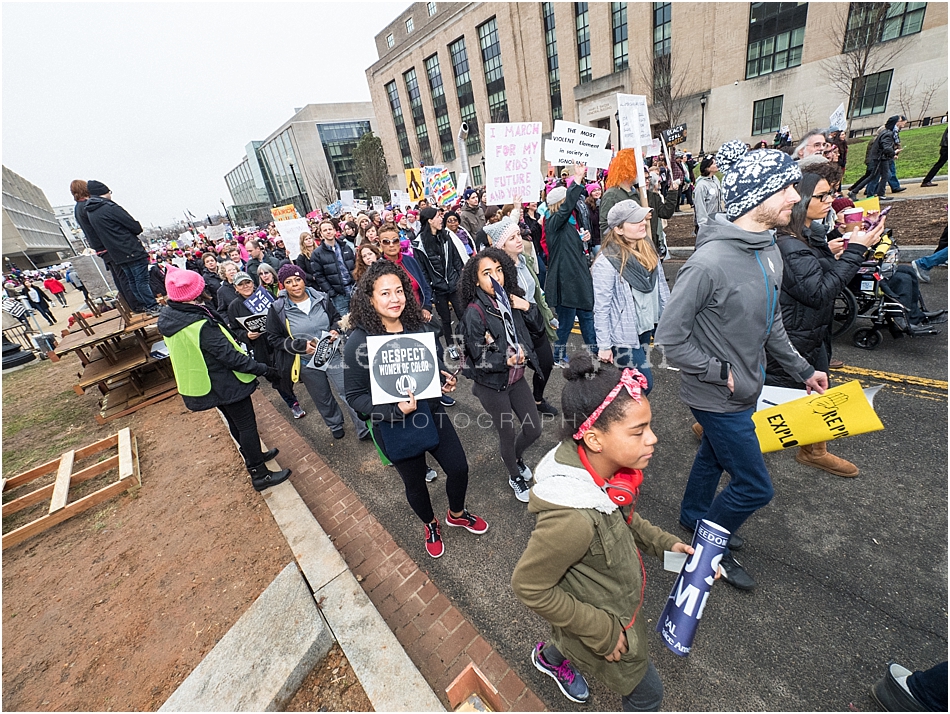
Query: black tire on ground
867, 338
17, 359
846, 312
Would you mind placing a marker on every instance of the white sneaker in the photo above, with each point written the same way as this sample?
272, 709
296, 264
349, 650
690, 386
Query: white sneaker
431, 475
520, 488
525, 471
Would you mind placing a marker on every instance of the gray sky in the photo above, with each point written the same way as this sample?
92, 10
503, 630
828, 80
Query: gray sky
158, 100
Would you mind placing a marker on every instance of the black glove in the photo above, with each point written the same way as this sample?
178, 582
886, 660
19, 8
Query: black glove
272, 374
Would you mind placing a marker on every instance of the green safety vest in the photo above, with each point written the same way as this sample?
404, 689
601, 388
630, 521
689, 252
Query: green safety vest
188, 362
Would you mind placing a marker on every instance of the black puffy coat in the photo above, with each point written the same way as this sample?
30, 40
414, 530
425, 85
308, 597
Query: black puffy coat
116, 229
811, 280
212, 282
326, 269
219, 354
225, 295
156, 279
489, 358
82, 218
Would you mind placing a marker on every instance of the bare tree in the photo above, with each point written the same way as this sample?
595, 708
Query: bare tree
323, 186
909, 94
800, 118
670, 94
859, 28
371, 170
906, 94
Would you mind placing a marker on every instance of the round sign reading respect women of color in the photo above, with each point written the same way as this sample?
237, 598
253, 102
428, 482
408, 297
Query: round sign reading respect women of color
401, 364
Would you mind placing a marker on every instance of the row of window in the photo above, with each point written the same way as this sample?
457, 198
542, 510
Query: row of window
410, 25
867, 97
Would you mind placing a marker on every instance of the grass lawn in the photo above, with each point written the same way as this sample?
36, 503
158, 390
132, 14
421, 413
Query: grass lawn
921, 147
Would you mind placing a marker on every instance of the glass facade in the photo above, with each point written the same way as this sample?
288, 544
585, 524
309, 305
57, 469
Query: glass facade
339, 139
463, 87
401, 136
871, 98
878, 22
554, 72
767, 116
241, 184
582, 25
494, 75
418, 115
443, 125
776, 37
275, 158
476, 178
618, 23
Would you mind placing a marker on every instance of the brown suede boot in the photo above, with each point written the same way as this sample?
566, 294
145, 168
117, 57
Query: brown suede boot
817, 455
698, 430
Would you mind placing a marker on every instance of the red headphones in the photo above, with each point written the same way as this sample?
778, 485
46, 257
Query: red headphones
623, 488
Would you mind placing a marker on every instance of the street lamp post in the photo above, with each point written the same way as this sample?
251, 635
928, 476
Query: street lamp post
702, 124
306, 207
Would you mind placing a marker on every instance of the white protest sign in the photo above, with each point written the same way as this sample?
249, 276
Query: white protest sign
512, 159
654, 148
399, 364
360, 205
634, 120
462, 183
346, 197
378, 204
186, 238
572, 143
837, 118
394, 198
179, 261
289, 232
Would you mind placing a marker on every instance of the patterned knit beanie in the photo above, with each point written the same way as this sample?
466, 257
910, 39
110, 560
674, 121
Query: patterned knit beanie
751, 177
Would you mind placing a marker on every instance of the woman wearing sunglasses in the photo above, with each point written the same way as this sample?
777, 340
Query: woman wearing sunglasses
389, 244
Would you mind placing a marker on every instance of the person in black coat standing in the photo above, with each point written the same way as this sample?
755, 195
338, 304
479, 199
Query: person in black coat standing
38, 299
333, 263
443, 267
119, 233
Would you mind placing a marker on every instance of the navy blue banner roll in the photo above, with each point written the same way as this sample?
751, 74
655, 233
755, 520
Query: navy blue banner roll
684, 608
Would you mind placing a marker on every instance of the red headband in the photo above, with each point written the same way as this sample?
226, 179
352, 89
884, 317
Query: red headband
632, 381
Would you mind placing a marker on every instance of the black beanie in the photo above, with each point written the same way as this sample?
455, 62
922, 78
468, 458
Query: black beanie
97, 188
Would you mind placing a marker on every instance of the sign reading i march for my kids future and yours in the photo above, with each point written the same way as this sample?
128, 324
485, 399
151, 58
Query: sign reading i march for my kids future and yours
399, 364
512, 161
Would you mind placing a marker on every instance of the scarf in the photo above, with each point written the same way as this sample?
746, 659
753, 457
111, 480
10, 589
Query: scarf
638, 277
415, 285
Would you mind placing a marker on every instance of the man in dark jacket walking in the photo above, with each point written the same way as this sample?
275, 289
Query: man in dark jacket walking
333, 263
722, 313
119, 232
882, 152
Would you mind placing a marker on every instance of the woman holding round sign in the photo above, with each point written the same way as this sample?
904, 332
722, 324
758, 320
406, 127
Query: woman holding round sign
383, 304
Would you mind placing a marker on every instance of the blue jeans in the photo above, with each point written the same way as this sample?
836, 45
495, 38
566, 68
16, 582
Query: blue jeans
729, 444
342, 304
933, 260
891, 180
630, 357
565, 319
137, 273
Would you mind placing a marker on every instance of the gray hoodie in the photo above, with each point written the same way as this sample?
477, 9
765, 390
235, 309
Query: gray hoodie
724, 307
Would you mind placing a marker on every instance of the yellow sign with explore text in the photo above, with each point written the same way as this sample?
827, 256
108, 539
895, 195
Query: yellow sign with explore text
839, 412
284, 213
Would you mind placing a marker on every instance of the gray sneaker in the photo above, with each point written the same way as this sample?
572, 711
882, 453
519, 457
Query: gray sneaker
922, 274
431, 475
520, 488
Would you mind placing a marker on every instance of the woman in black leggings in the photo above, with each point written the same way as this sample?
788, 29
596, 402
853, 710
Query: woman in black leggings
384, 304
497, 330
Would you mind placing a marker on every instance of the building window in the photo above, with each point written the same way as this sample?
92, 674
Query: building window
662, 50
582, 25
767, 116
418, 115
869, 94
430, 7
443, 125
871, 22
463, 87
339, 139
554, 72
476, 178
776, 37
618, 21
494, 76
401, 136
409, 26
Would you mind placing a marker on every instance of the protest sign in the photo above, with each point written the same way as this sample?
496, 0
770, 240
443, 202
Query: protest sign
674, 135
335, 209
290, 231
394, 198
838, 118
216, 233
414, 186
378, 204
572, 143
512, 160
346, 198
845, 410
283, 213
462, 183
634, 120
253, 323
360, 205
399, 364
179, 262
259, 301
441, 187
187, 239
684, 608
654, 148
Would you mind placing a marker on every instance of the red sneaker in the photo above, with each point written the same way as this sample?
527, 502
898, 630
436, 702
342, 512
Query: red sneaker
434, 546
471, 523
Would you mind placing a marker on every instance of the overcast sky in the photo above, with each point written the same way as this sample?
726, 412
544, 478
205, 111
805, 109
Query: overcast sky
158, 100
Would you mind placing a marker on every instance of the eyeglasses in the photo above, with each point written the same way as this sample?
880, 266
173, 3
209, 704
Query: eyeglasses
388, 241
826, 197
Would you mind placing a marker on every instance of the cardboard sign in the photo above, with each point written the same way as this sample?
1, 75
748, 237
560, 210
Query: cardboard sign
837, 118
634, 120
842, 411
680, 618
283, 213
674, 135
441, 187
289, 232
253, 323
399, 364
572, 143
512, 161
414, 185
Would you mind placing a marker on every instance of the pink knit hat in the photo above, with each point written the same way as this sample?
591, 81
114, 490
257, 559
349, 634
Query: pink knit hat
183, 285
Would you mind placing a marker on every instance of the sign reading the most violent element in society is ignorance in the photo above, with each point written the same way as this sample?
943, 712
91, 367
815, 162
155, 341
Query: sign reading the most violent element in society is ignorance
399, 364
512, 161
572, 143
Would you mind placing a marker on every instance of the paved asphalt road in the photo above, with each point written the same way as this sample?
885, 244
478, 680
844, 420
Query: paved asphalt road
851, 572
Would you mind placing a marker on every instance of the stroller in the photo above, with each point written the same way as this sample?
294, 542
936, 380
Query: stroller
867, 297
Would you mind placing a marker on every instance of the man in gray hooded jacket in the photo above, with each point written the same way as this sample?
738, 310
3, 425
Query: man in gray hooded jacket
722, 313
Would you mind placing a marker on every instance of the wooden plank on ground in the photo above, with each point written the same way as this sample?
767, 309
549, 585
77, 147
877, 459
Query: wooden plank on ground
125, 453
61, 486
41, 494
43, 469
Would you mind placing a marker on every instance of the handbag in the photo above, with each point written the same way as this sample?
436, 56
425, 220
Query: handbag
409, 437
